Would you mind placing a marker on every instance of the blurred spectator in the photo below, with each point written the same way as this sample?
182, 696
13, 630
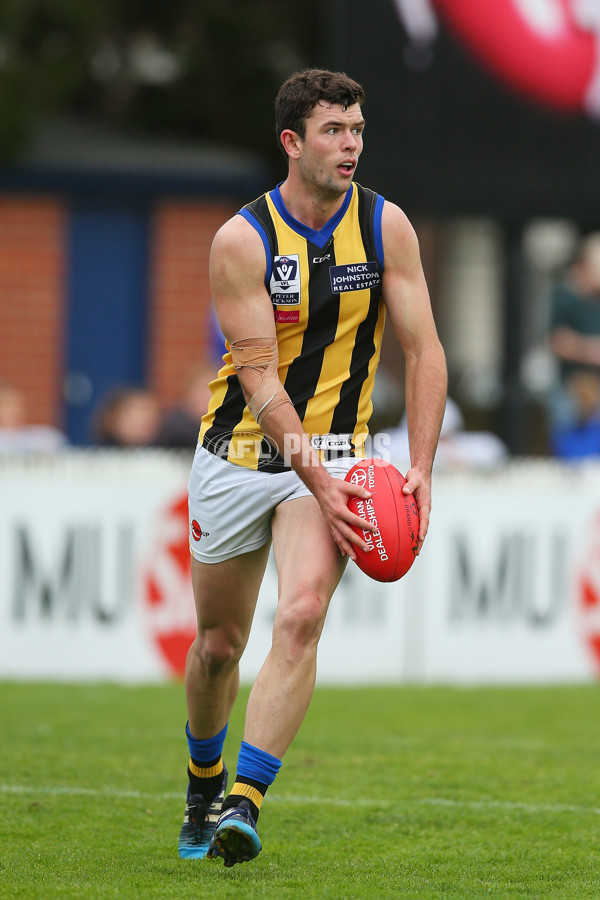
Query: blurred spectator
575, 341
17, 435
580, 438
127, 417
181, 424
457, 448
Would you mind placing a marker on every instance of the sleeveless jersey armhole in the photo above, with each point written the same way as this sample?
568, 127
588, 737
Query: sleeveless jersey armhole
259, 227
377, 229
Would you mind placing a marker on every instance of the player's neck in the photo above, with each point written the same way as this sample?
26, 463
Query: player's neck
312, 208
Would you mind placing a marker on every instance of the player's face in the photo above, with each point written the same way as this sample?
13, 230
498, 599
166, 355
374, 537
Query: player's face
331, 147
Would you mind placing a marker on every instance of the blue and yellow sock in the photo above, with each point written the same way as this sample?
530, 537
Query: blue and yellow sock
205, 768
256, 770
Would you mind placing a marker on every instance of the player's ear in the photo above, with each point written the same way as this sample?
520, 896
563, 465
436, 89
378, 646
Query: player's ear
290, 142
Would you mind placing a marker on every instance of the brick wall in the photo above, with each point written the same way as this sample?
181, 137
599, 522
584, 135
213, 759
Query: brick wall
32, 293
33, 268
179, 291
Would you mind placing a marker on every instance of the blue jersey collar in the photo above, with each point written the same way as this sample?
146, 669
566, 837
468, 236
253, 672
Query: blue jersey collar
318, 238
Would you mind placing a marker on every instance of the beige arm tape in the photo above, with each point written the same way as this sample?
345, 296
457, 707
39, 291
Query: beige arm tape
261, 355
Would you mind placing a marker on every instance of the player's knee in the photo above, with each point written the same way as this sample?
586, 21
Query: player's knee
217, 651
299, 623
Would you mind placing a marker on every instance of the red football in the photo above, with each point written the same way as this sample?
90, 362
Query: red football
395, 514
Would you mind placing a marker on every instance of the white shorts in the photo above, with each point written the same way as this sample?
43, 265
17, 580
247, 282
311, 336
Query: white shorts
230, 507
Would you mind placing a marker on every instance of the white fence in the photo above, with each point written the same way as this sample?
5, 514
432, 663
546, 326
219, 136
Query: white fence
94, 579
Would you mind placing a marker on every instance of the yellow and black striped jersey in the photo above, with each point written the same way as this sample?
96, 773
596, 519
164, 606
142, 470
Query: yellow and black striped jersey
325, 287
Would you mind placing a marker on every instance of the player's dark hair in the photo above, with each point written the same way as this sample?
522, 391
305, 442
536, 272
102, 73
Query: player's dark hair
298, 96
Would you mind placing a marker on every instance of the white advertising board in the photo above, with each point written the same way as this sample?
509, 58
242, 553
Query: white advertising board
94, 579
512, 565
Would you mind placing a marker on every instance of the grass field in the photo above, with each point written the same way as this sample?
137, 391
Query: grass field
387, 792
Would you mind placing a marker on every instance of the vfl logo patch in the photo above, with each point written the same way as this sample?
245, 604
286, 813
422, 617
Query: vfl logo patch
356, 277
285, 281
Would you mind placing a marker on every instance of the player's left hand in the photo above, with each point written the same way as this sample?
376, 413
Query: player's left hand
418, 484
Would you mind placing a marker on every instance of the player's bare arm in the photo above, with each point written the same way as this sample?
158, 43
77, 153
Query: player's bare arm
244, 310
407, 301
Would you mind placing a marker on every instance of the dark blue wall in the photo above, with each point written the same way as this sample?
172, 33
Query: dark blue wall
106, 343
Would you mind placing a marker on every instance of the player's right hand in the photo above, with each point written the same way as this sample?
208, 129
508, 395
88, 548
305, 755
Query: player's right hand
333, 500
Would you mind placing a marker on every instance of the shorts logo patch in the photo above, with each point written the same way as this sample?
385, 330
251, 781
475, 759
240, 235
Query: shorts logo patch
356, 277
285, 281
197, 532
